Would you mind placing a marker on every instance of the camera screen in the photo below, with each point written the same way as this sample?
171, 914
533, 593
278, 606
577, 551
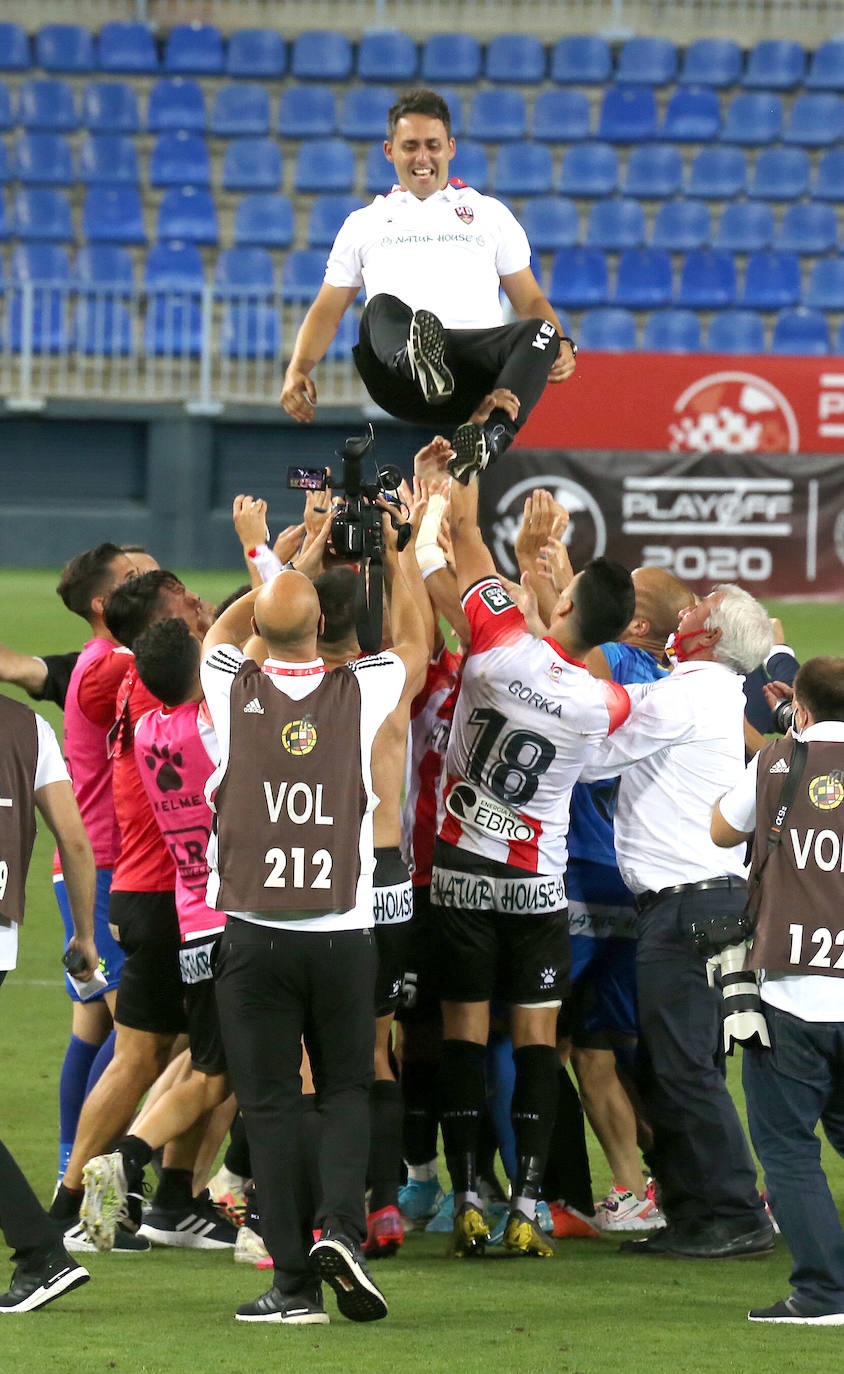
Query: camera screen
307, 479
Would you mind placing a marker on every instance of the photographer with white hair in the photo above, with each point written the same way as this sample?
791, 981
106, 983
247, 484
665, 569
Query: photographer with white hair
680, 749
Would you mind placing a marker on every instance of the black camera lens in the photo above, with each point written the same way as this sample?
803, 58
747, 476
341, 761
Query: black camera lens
783, 716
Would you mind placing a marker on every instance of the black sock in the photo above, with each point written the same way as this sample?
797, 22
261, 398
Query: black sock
136, 1153
175, 1190
236, 1158
532, 1114
567, 1173
65, 1204
487, 1150
462, 1098
421, 1110
385, 1123
500, 431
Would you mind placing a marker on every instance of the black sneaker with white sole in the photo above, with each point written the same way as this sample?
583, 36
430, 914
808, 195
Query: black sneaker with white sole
35, 1287
471, 452
426, 357
78, 1242
291, 1309
339, 1262
795, 1311
199, 1226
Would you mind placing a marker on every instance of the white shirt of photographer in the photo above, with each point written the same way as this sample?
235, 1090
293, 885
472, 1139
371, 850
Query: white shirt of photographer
811, 996
680, 749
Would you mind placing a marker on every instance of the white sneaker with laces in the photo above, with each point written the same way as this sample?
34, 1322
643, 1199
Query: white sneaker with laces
622, 1210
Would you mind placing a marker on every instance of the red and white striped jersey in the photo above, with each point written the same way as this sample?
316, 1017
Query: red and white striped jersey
430, 722
525, 721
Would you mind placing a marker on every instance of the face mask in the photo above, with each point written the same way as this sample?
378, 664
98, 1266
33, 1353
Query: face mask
674, 646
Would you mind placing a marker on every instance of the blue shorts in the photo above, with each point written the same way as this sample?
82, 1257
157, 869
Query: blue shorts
111, 955
603, 949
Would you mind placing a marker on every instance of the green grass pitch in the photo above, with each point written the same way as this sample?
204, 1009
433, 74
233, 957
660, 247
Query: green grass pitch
587, 1311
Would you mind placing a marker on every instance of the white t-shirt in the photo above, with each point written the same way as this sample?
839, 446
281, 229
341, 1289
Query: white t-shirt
381, 679
446, 253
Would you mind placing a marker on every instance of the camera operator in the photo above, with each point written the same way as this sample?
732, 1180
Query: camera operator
681, 746
796, 878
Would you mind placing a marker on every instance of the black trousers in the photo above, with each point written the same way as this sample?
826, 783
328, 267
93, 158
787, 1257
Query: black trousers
480, 360
274, 989
701, 1158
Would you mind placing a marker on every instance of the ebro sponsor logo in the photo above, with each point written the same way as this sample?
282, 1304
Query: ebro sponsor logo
465, 803
733, 412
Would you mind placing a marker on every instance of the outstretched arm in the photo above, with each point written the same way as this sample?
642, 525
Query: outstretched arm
22, 670
472, 558
234, 625
299, 395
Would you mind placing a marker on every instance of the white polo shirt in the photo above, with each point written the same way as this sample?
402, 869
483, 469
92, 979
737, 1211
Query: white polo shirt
680, 749
446, 253
811, 996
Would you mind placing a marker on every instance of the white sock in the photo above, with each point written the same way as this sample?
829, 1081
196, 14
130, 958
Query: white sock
473, 1200
527, 1206
422, 1173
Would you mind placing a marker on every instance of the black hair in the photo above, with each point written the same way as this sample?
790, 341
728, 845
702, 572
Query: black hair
819, 686
422, 101
167, 658
232, 598
86, 576
604, 601
134, 604
337, 589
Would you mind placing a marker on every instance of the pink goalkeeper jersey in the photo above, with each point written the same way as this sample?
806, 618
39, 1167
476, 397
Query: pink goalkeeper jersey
176, 752
88, 762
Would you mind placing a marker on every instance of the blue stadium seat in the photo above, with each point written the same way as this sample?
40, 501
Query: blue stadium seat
340, 348
826, 71
692, 115
43, 264
708, 280
263, 221
608, 329
244, 272
589, 169
42, 215
4, 169
7, 119
772, 281
325, 164
654, 172
252, 164
302, 275
380, 175
47, 107
753, 118
717, 173
628, 114
49, 322
826, 285
327, 215
14, 48
736, 331
257, 54
241, 111
64, 48
672, 331
561, 116
363, 113
307, 112
113, 214
108, 159
497, 115
5, 231
174, 268
105, 268
188, 215
43, 160
194, 50
523, 169
839, 340
102, 327
829, 176
250, 329
110, 107
647, 62
711, 62
515, 57
581, 60
807, 228
579, 279
176, 103
745, 227
180, 159
322, 55
681, 225
775, 64
452, 57
551, 222
127, 48
454, 101
644, 278
469, 164
780, 174
801, 331
387, 55
816, 120
615, 224
173, 327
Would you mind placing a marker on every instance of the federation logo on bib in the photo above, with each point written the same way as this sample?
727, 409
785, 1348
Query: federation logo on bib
299, 737
464, 213
827, 791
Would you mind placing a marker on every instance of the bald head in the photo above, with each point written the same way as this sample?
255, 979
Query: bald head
287, 614
660, 597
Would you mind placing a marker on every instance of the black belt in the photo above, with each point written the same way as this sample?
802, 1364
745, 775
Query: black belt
646, 900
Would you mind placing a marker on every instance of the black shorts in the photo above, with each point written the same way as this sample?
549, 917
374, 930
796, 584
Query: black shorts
392, 901
420, 1001
196, 961
150, 992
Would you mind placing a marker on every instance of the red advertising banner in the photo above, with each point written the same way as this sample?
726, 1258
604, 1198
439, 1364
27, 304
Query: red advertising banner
694, 403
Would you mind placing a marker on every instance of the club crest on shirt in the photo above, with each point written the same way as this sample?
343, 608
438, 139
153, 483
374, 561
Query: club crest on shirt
464, 213
827, 791
555, 672
299, 737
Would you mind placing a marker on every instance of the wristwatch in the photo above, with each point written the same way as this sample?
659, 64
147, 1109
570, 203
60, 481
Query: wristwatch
564, 338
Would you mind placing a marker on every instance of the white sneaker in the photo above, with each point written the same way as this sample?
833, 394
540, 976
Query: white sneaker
249, 1248
622, 1210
